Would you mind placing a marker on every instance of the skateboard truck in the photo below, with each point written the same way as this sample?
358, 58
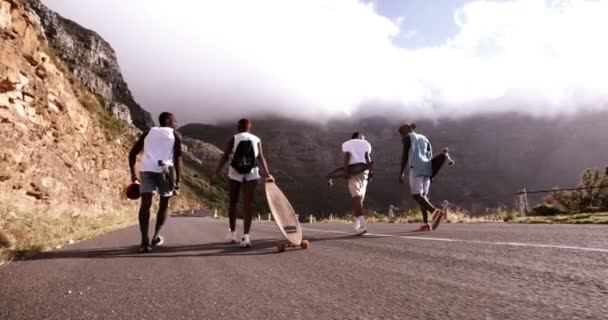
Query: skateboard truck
290, 229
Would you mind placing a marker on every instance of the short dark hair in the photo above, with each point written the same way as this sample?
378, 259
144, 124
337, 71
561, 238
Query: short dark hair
163, 117
357, 135
244, 124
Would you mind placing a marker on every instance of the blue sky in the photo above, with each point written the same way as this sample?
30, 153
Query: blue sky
432, 20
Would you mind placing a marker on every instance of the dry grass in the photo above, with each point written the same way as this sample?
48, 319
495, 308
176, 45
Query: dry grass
579, 218
33, 230
415, 216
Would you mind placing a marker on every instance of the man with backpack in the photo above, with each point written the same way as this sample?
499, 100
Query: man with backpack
160, 171
417, 157
244, 149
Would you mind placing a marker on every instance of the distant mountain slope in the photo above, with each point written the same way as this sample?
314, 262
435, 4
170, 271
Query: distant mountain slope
496, 155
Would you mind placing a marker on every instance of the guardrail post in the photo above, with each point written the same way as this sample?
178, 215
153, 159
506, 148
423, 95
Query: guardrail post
269, 217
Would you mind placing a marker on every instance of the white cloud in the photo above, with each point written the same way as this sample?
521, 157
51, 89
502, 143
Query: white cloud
212, 60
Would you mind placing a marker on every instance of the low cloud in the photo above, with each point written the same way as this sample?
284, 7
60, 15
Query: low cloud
216, 60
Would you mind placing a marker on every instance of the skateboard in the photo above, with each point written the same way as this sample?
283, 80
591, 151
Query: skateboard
436, 219
440, 160
285, 218
352, 170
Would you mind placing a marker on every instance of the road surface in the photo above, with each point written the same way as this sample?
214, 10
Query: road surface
461, 271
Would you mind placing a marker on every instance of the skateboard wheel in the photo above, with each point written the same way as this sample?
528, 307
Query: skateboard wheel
280, 246
304, 244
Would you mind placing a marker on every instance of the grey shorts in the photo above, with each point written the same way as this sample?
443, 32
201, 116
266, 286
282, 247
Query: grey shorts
154, 181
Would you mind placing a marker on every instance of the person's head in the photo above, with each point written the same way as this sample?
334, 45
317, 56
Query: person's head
358, 135
244, 125
167, 119
407, 128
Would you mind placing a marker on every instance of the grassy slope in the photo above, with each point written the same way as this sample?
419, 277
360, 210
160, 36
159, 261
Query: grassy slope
579, 218
25, 230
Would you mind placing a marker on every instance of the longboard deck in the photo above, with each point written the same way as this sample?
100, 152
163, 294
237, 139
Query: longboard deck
352, 169
440, 160
284, 214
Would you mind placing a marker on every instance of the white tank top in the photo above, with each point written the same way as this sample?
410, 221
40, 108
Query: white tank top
159, 144
244, 136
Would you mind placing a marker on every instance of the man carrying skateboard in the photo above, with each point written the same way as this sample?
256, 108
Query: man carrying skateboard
417, 157
357, 151
160, 171
244, 150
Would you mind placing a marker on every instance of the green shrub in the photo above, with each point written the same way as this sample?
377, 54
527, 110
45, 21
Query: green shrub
546, 209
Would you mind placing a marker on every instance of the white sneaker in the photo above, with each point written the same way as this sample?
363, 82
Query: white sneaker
245, 242
158, 241
361, 231
231, 237
360, 227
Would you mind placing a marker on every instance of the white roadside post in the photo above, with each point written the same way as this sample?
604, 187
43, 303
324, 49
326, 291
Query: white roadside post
215, 214
523, 203
445, 205
391, 212
269, 217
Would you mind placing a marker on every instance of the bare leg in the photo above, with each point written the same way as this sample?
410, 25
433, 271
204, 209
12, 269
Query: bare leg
235, 187
248, 192
357, 204
144, 216
425, 206
161, 215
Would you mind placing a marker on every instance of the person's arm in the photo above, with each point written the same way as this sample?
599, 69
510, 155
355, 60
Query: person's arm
263, 162
137, 148
370, 163
346, 163
404, 157
223, 161
177, 158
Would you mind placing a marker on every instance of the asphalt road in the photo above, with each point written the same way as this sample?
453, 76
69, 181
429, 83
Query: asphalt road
476, 271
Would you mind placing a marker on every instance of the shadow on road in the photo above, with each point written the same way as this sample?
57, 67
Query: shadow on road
260, 247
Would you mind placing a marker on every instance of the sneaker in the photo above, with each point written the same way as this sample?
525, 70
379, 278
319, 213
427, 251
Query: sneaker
361, 231
231, 237
158, 241
425, 227
437, 215
245, 242
145, 248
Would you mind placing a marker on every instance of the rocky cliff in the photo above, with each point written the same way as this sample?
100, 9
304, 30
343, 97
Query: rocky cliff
57, 150
62, 151
93, 61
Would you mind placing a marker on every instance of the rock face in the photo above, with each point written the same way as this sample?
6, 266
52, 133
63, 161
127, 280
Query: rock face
61, 151
93, 61
204, 154
56, 151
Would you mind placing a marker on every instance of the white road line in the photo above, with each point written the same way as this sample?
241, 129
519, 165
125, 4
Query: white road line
498, 243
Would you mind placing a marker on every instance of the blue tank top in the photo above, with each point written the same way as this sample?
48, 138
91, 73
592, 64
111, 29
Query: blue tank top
420, 155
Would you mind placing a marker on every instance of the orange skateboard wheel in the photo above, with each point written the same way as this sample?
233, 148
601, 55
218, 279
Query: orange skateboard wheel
304, 244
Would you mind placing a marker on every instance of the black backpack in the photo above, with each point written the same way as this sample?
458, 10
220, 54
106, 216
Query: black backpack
244, 158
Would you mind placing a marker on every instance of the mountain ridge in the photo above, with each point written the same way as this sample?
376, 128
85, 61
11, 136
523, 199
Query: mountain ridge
496, 156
